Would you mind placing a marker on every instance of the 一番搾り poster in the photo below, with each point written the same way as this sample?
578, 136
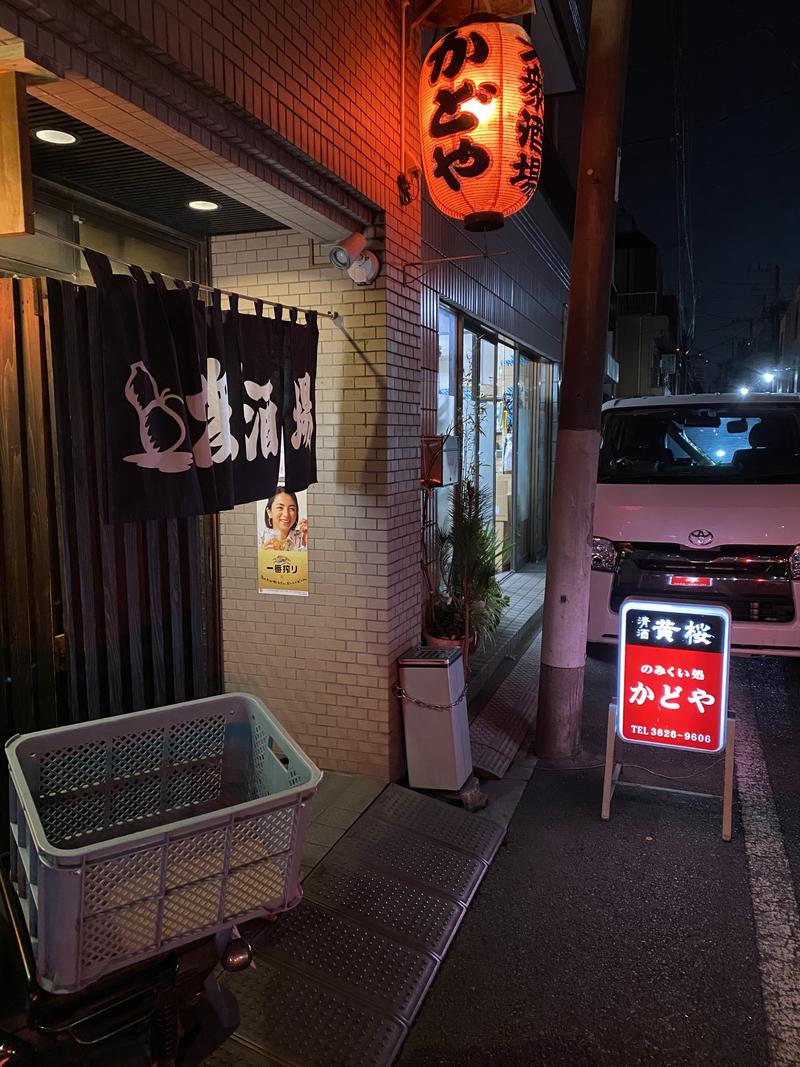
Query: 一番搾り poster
282, 523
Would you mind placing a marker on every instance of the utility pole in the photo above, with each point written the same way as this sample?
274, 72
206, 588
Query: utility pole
566, 607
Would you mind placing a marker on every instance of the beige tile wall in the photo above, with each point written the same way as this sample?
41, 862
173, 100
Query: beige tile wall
326, 664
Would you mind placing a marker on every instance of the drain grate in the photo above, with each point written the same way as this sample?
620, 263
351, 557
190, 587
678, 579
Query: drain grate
374, 843
303, 1023
432, 818
355, 959
407, 912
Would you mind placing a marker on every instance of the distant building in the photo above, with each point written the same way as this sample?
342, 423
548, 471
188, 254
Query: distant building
645, 335
789, 345
698, 378
766, 359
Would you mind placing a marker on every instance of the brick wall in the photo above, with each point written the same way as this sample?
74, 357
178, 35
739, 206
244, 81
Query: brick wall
326, 664
304, 92
293, 108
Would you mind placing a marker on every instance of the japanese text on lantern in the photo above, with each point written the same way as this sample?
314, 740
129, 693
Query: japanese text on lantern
482, 121
451, 114
530, 124
673, 674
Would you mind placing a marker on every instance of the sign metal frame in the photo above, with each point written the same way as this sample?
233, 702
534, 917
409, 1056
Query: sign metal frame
727, 726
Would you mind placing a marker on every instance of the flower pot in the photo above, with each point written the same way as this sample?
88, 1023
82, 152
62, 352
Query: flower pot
449, 642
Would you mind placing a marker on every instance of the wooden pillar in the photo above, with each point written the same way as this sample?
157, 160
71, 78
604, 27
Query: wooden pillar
16, 181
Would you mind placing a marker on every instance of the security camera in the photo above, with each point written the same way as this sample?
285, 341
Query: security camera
346, 252
365, 269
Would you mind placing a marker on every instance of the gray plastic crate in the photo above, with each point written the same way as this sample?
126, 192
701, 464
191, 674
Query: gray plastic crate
135, 834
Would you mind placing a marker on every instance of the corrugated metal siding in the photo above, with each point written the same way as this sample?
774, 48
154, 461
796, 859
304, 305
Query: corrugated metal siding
521, 294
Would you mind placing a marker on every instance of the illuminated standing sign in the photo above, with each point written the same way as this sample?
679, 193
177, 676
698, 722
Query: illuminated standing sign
673, 674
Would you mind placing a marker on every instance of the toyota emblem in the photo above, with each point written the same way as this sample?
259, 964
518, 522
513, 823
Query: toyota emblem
701, 537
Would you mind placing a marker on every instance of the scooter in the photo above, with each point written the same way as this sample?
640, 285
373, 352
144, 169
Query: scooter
165, 1012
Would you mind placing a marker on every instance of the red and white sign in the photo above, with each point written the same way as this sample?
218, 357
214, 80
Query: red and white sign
691, 581
673, 674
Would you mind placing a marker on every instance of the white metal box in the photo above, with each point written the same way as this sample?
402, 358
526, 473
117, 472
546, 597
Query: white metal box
435, 718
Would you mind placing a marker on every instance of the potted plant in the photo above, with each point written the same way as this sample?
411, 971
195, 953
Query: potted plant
466, 600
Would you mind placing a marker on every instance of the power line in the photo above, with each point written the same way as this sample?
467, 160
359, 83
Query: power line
687, 294
718, 122
713, 281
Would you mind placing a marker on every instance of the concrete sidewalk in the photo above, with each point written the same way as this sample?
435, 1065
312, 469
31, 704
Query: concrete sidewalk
388, 877
646, 939
521, 620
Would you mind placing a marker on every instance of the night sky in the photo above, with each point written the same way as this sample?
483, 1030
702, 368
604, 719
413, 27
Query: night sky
741, 95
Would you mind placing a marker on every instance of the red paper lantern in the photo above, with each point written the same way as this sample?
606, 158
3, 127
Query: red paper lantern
481, 105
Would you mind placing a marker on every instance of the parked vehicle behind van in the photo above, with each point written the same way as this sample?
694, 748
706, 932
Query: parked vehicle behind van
699, 497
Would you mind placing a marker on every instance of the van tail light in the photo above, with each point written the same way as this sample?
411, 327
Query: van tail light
605, 556
794, 564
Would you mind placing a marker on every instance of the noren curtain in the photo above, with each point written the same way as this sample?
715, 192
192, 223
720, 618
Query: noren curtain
198, 402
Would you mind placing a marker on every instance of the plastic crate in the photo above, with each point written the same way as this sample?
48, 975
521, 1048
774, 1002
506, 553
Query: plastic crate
136, 834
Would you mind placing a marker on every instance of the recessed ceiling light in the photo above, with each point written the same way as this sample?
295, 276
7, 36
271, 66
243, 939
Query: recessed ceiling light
203, 205
56, 136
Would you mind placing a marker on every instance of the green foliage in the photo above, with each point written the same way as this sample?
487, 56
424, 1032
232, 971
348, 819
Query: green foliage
469, 599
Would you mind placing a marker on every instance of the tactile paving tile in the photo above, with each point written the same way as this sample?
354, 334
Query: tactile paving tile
496, 735
442, 822
503, 725
500, 736
488, 762
379, 844
353, 958
398, 909
339, 980
502, 733
302, 1023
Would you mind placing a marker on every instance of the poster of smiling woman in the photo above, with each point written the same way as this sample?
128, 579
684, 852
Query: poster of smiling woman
283, 544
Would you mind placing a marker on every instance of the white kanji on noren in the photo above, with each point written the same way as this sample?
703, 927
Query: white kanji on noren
223, 443
302, 413
216, 444
197, 406
263, 436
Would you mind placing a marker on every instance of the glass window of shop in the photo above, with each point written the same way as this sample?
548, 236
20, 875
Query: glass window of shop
447, 403
500, 398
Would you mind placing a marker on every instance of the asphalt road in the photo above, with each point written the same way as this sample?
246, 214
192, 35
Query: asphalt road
646, 939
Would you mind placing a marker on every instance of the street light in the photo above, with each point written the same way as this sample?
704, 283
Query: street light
743, 390
768, 377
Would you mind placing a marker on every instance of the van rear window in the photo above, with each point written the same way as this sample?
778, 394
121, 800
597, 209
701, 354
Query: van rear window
715, 445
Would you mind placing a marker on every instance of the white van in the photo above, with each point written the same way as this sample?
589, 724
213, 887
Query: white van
699, 497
